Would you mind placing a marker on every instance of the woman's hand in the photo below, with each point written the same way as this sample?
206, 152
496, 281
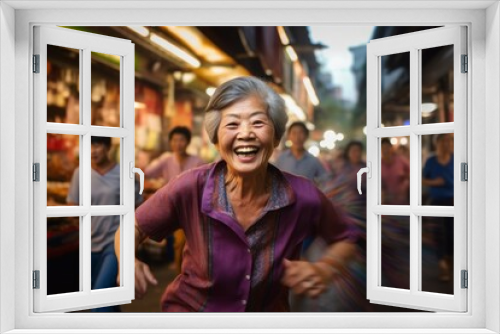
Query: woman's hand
143, 275
143, 278
307, 278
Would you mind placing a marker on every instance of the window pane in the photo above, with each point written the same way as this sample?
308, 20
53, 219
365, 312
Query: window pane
105, 176
395, 89
395, 171
437, 84
63, 85
437, 171
437, 254
62, 164
104, 267
63, 255
105, 95
395, 251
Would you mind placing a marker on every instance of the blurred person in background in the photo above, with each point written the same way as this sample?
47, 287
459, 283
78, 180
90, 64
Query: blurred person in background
297, 160
105, 190
395, 179
395, 176
345, 190
353, 160
168, 167
404, 151
438, 176
337, 161
244, 219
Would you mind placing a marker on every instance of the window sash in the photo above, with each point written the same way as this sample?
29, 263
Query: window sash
86, 43
413, 43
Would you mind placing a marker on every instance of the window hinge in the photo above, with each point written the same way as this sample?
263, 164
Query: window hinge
36, 279
465, 279
36, 63
464, 168
465, 64
36, 172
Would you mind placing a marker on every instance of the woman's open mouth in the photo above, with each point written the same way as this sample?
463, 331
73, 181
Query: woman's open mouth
246, 152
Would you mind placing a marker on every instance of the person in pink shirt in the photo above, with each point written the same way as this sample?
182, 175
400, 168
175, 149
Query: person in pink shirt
168, 167
395, 176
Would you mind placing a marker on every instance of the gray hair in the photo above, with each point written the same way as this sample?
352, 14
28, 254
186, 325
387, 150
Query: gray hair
238, 89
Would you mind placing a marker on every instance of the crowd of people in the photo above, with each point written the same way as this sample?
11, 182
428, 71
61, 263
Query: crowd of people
251, 233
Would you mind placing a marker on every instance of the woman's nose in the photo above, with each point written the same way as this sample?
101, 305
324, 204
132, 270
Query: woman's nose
246, 131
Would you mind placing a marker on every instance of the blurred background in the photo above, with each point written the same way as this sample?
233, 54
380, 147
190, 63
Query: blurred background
320, 72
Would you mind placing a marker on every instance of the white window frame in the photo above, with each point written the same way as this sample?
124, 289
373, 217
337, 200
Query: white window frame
86, 43
484, 103
413, 44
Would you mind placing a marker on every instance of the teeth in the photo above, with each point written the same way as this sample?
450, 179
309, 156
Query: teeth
244, 150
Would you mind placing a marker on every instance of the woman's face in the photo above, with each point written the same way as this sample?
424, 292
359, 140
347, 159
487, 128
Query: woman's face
386, 150
445, 144
354, 154
246, 136
297, 136
99, 153
178, 143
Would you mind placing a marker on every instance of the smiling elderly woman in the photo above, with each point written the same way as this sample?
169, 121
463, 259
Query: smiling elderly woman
244, 219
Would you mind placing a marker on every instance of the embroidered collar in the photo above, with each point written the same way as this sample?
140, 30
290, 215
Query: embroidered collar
214, 196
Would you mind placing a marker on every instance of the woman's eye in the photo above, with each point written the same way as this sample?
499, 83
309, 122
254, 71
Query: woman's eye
258, 123
231, 125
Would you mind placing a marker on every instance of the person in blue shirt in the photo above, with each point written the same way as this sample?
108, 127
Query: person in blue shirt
297, 160
438, 176
104, 190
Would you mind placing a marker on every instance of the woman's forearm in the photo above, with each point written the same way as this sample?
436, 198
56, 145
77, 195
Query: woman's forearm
338, 254
139, 237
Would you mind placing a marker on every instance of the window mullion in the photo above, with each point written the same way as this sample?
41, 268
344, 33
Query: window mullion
415, 84
434, 128
393, 131
85, 166
85, 94
67, 211
392, 210
433, 211
373, 270
85, 249
66, 129
127, 195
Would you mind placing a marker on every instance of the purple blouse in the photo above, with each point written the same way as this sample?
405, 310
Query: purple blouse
227, 269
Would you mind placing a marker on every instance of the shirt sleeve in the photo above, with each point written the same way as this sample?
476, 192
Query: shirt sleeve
333, 223
158, 216
321, 172
154, 170
74, 188
426, 173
